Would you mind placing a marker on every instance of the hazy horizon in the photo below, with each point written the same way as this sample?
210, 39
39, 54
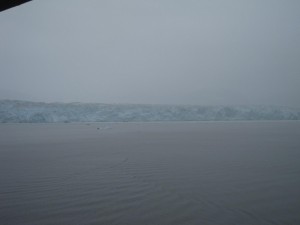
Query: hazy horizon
158, 104
152, 52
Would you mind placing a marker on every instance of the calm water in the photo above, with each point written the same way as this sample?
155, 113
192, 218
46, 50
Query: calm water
214, 173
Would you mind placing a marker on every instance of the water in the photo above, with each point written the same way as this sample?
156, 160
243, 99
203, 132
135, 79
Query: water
210, 173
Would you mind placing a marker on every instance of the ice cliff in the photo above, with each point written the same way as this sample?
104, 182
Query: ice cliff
13, 111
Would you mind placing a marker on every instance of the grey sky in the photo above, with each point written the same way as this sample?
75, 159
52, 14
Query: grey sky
152, 51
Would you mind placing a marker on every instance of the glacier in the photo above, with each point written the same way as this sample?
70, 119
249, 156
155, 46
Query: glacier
15, 111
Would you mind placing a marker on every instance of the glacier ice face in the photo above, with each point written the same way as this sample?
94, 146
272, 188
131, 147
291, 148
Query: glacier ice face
12, 111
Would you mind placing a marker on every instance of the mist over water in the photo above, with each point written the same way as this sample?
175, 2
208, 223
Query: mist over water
150, 173
152, 52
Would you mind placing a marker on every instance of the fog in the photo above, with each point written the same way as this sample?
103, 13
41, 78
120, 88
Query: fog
158, 52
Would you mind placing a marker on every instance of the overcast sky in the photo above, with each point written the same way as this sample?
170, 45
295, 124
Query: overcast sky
152, 51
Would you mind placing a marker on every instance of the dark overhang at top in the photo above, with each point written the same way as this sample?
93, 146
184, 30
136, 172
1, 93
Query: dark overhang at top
7, 4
